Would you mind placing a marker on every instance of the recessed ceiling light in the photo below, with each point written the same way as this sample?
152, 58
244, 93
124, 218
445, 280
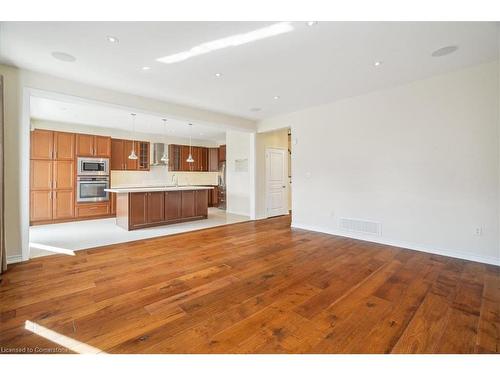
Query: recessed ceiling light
63, 56
230, 41
444, 51
276, 97
377, 63
218, 74
255, 109
112, 39
146, 68
311, 23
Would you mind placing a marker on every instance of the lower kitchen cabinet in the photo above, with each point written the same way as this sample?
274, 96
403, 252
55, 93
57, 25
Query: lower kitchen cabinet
173, 204
143, 209
63, 204
85, 210
40, 205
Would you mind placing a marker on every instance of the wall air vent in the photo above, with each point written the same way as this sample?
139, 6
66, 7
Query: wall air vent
360, 226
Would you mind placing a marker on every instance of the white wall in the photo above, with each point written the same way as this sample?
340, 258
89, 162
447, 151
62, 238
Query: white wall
422, 159
16, 85
239, 184
271, 139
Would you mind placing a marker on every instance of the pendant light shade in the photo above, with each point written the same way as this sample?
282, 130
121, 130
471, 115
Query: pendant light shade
164, 157
132, 155
190, 157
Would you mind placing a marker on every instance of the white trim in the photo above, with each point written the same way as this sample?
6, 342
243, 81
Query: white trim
401, 244
14, 259
239, 213
25, 173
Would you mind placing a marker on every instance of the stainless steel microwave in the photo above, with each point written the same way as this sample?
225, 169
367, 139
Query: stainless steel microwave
93, 167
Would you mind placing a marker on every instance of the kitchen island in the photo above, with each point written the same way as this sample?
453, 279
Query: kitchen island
142, 207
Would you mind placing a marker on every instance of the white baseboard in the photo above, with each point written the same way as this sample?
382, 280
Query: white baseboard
238, 213
14, 259
402, 244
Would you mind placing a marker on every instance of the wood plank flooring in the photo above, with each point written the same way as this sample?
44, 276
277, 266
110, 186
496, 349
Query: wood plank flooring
254, 287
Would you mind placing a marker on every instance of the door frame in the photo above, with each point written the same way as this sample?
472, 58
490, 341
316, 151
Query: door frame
285, 166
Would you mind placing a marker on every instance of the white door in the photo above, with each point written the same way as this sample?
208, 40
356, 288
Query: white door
276, 176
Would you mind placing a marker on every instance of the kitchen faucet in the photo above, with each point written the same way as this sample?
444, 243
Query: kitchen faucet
174, 176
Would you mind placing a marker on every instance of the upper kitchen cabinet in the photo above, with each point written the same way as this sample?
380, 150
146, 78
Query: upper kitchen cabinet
178, 154
42, 144
121, 149
93, 146
222, 153
213, 159
52, 145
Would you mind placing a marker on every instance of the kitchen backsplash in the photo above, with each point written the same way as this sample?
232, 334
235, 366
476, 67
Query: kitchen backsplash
158, 175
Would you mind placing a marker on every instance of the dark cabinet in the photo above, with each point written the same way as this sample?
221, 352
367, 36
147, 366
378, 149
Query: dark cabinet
121, 149
201, 202
173, 201
222, 153
156, 209
178, 155
146, 208
213, 197
188, 204
213, 159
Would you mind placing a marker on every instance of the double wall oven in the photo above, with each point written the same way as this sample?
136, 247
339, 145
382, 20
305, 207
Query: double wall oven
92, 179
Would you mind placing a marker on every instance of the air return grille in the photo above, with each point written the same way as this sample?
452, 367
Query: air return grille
360, 226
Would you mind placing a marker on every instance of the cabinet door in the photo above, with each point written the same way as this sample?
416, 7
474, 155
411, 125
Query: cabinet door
117, 153
112, 201
188, 204
41, 205
84, 145
222, 153
64, 146
64, 174
143, 155
214, 196
102, 146
42, 144
130, 164
174, 158
156, 207
203, 159
41, 173
173, 204
184, 165
201, 202
138, 207
213, 159
63, 204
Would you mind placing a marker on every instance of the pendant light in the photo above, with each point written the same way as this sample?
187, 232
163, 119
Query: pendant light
132, 155
190, 157
164, 157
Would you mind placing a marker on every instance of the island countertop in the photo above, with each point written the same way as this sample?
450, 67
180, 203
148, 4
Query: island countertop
147, 189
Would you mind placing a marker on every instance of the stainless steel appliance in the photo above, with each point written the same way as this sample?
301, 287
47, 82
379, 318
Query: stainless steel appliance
222, 185
91, 188
93, 167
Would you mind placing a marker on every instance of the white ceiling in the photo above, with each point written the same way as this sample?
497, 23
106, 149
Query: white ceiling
305, 67
118, 118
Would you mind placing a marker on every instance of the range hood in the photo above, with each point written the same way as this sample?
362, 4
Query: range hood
158, 150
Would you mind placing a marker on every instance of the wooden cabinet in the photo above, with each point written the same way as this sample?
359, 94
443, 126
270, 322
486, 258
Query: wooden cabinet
173, 203
41, 174
222, 153
188, 204
201, 202
213, 159
40, 205
93, 145
117, 154
42, 144
121, 149
179, 153
112, 201
91, 210
156, 207
63, 204
213, 197
102, 146
64, 174
64, 146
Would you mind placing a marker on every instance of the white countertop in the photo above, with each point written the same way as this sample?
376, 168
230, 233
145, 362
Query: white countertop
146, 189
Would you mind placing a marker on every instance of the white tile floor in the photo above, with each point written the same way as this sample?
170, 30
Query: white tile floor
66, 238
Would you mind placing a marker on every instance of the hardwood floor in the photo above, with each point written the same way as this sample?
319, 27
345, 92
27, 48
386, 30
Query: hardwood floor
254, 287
